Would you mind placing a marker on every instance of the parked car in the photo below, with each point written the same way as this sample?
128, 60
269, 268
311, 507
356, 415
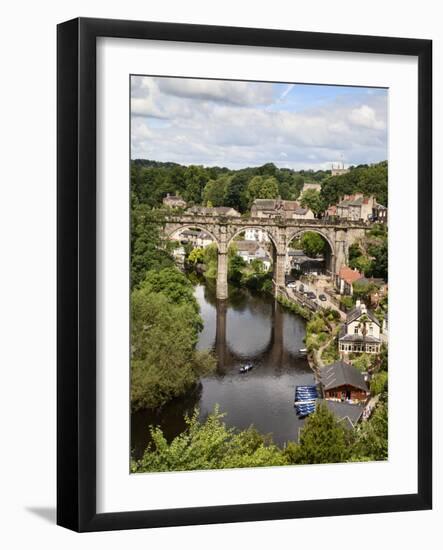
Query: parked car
301, 288
322, 297
291, 285
311, 295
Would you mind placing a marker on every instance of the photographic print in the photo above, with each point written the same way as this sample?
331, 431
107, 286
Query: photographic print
259, 274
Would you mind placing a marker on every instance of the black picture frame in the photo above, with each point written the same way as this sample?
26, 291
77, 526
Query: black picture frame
76, 266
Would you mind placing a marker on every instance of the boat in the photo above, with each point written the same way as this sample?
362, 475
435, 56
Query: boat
246, 368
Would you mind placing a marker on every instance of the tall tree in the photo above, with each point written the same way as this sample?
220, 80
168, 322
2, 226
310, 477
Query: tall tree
322, 440
312, 199
312, 244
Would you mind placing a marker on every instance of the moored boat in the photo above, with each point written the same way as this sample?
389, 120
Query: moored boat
246, 368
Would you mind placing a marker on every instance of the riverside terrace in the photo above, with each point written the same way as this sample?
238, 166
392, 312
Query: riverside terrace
339, 235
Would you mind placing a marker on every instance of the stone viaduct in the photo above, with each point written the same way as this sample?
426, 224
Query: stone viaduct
339, 235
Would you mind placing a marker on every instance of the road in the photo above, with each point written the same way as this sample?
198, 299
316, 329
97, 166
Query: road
318, 286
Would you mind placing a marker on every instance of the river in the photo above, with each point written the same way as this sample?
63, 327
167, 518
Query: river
245, 328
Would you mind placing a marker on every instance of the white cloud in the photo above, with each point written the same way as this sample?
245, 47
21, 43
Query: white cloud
231, 92
204, 122
366, 116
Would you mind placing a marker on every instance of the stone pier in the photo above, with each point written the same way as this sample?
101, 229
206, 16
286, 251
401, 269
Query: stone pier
222, 276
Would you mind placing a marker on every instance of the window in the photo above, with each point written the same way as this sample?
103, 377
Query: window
371, 328
356, 329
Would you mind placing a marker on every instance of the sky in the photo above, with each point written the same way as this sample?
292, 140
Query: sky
238, 124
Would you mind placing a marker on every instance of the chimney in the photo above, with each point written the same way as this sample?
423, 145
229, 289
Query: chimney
357, 303
363, 308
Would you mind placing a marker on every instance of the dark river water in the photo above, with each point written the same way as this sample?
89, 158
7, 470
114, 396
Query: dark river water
244, 328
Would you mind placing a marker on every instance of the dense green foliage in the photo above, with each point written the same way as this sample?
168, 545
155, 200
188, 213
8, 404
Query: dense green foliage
312, 244
148, 252
208, 445
152, 180
370, 180
164, 331
312, 199
165, 319
295, 307
372, 436
370, 254
379, 383
323, 440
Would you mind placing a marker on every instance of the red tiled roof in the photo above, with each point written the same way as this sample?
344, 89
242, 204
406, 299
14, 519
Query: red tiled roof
349, 275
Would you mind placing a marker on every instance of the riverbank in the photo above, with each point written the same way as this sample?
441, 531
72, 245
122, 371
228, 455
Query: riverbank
321, 332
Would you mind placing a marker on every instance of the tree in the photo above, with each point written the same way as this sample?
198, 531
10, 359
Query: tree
164, 362
148, 252
262, 187
323, 440
312, 199
208, 445
235, 194
236, 265
215, 191
379, 383
369, 180
379, 266
171, 283
195, 180
362, 290
312, 244
372, 436
196, 256
363, 362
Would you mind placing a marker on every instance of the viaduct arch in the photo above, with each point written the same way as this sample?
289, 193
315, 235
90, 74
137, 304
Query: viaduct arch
340, 235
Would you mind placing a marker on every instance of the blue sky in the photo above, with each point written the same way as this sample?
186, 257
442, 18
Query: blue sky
238, 124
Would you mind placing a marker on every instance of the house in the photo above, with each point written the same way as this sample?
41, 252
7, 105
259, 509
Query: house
331, 211
268, 208
342, 382
360, 333
198, 238
355, 207
379, 214
345, 278
292, 210
251, 250
303, 264
213, 211
174, 201
256, 234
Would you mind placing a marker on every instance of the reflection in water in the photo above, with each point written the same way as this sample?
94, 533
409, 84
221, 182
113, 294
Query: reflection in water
244, 328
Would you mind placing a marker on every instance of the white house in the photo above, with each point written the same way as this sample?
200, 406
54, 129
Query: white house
345, 278
196, 237
361, 332
251, 250
256, 234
